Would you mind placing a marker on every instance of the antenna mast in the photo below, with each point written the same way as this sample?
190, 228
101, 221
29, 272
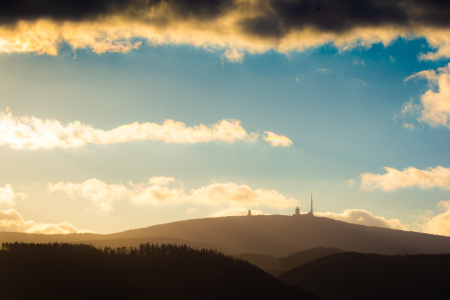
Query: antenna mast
312, 211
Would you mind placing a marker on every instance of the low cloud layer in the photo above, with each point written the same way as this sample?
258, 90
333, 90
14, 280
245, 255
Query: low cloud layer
8, 196
434, 108
104, 195
12, 221
363, 217
34, 133
410, 177
237, 26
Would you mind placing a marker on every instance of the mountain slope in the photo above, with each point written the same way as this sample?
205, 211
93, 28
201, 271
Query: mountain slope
282, 235
270, 235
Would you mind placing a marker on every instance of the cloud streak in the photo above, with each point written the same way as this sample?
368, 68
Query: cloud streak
252, 26
104, 195
34, 133
410, 177
12, 221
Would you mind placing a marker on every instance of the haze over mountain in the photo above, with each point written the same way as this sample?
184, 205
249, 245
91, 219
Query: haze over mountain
270, 235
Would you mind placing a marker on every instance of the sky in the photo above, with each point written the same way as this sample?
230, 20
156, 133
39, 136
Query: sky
125, 114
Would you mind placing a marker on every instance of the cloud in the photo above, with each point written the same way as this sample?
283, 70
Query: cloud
33, 133
408, 125
8, 196
408, 178
103, 195
277, 140
12, 221
324, 71
357, 61
350, 182
357, 81
251, 26
100, 193
439, 224
160, 180
363, 217
435, 102
234, 211
234, 56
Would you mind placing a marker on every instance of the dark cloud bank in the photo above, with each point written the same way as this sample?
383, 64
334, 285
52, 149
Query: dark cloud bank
274, 17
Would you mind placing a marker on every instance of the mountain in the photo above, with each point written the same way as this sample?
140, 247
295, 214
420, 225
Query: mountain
271, 235
353, 276
282, 235
78, 271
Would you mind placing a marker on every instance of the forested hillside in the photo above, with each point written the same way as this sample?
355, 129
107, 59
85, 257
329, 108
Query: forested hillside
67, 271
355, 276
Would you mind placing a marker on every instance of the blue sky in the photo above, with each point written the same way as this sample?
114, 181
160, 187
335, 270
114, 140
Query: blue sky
342, 109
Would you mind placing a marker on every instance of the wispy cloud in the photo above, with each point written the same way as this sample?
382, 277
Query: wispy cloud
324, 71
34, 133
12, 221
434, 108
277, 140
410, 177
357, 81
235, 25
358, 61
104, 195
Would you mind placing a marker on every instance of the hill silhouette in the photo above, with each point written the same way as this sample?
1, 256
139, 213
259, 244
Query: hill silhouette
68, 271
351, 276
271, 235
276, 266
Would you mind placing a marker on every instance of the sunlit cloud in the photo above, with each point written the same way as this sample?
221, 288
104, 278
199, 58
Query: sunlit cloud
34, 133
8, 196
363, 217
238, 26
410, 177
434, 108
12, 221
99, 193
234, 211
277, 140
104, 195
439, 224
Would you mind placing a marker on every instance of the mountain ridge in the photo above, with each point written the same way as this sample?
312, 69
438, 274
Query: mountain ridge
274, 235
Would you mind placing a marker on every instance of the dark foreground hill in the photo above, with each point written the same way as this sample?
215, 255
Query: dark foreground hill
271, 235
67, 271
351, 276
276, 266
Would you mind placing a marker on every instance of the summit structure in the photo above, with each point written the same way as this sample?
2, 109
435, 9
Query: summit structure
311, 212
